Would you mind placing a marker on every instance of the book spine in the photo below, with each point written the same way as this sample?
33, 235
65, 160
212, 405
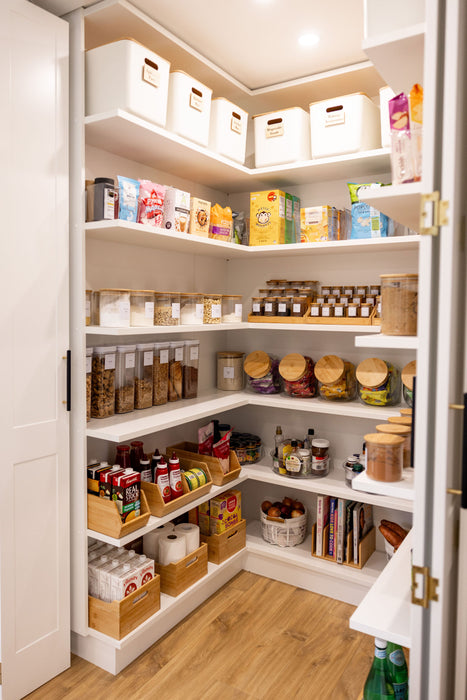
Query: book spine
356, 511
332, 511
340, 531
319, 526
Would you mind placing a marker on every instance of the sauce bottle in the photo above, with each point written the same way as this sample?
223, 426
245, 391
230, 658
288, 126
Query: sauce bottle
123, 456
136, 454
161, 478
175, 478
156, 458
145, 468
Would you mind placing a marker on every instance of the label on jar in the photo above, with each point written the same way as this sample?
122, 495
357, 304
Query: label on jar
238, 310
216, 311
257, 308
282, 308
109, 203
88, 365
325, 310
130, 360
88, 309
268, 306
365, 311
163, 357
194, 352
229, 372
148, 358
109, 362
320, 464
293, 463
352, 311
314, 311
178, 354
199, 310
124, 311
148, 309
296, 308
175, 310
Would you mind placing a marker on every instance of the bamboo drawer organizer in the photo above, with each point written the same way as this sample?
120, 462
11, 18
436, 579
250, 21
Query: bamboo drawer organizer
189, 451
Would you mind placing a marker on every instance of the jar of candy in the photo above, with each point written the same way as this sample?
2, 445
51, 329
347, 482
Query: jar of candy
262, 371
336, 378
297, 371
378, 382
408, 373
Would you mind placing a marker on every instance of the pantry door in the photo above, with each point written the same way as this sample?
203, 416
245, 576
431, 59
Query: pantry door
34, 449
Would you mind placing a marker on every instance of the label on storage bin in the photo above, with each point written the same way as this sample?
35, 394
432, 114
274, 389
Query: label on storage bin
196, 101
178, 354
148, 309
236, 125
296, 308
334, 118
267, 306
124, 311
88, 365
238, 310
176, 310
199, 311
163, 357
229, 372
109, 362
194, 352
273, 130
150, 75
257, 308
282, 308
216, 311
148, 358
130, 360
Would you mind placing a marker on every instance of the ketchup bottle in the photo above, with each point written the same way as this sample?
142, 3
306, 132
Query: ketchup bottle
175, 478
162, 480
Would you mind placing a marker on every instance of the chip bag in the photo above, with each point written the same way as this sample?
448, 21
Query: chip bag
367, 222
221, 224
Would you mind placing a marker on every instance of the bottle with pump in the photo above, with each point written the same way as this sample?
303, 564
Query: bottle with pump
156, 458
377, 685
398, 673
145, 468
162, 480
175, 478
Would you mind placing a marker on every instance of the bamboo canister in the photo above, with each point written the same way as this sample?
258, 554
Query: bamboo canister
403, 431
401, 420
257, 364
399, 304
292, 367
406, 411
372, 372
384, 457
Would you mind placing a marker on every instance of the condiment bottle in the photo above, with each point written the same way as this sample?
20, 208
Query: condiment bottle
156, 458
175, 478
123, 456
293, 462
145, 468
307, 443
136, 454
162, 480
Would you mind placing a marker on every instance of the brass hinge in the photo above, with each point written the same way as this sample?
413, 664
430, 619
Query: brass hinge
429, 586
439, 214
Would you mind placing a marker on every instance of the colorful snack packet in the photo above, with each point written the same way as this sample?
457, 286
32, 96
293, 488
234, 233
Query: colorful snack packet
151, 203
416, 128
401, 146
128, 191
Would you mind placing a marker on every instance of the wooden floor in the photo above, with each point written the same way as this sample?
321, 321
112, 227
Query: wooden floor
254, 638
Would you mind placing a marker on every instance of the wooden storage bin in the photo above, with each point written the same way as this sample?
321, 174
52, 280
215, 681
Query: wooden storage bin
155, 501
366, 547
225, 545
120, 617
180, 575
103, 517
189, 450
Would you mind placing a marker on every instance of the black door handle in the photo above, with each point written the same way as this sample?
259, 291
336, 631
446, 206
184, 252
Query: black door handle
68, 380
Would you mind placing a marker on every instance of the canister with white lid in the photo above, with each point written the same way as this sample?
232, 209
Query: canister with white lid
144, 375
103, 381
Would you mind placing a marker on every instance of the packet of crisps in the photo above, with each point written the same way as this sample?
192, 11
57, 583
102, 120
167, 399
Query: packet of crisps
416, 128
221, 224
401, 146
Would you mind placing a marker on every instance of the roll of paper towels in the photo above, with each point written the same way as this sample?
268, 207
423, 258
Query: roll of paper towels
151, 540
172, 548
191, 533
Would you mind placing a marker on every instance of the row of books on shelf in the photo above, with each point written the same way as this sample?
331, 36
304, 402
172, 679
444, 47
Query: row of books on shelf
341, 525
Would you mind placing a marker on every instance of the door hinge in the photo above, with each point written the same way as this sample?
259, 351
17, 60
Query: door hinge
439, 214
430, 585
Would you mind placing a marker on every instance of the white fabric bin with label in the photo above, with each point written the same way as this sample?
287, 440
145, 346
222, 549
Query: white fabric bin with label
385, 94
347, 124
227, 132
189, 107
126, 75
282, 137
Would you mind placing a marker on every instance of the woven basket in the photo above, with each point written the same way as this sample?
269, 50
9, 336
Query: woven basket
284, 533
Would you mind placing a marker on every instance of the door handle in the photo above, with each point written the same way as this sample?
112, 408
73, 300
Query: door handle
68, 380
464, 458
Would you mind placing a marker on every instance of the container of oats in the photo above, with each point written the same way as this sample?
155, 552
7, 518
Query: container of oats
103, 382
212, 312
125, 378
166, 309
144, 375
160, 373
399, 304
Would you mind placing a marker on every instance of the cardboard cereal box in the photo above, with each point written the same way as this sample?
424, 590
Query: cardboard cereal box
267, 218
318, 224
289, 235
225, 511
200, 217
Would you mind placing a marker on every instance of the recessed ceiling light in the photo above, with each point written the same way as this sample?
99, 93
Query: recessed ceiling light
308, 40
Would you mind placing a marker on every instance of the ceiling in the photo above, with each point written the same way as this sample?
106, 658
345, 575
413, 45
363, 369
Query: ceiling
256, 41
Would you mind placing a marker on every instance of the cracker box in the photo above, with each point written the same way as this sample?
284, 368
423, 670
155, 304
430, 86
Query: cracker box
176, 210
225, 511
289, 234
318, 224
200, 216
267, 218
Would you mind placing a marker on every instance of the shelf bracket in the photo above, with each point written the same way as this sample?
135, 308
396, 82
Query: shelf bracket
430, 585
439, 213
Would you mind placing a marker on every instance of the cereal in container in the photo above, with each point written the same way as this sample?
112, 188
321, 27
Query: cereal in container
103, 382
125, 379
160, 373
336, 378
190, 369
262, 371
378, 382
176, 353
297, 372
212, 308
144, 375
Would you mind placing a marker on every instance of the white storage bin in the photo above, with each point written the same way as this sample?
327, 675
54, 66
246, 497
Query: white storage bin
385, 94
227, 132
282, 137
126, 75
343, 125
189, 107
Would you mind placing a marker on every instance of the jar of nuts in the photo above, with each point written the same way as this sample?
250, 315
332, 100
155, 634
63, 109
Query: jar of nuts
166, 309
160, 373
144, 375
103, 382
212, 308
125, 379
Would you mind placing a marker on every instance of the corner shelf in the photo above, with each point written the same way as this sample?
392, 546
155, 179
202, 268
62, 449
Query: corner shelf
400, 202
398, 56
397, 342
402, 490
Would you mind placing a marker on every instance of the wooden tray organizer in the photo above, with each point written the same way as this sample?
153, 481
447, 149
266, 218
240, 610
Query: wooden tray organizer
318, 320
225, 545
155, 501
180, 575
189, 450
120, 617
366, 547
103, 517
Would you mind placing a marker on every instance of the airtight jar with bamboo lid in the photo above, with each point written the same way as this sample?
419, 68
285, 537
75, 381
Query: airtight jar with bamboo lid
336, 378
232, 308
262, 371
403, 431
399, 304
384, 457
297, 371
230, 375
378, 382
142, 307
407, 375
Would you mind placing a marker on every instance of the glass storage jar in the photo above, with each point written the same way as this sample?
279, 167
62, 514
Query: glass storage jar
339, 310
160, 374
212, 312
283, 306
270, 306
315, 309
103, 382
144, 375
332, 299
95, 319
321, 299
257, 306
378, 382
325, 290
353, 310
88, 382
327, 310
297, 371
375, 289
114, 308
142, 308
319, 457
337, 291
384, 457
403, 431
232, 308
125, 379
166, 309
87, 307
345, 299
191, 309
399, 304
176, 352
230, 375
336, 378
190, 369
362, 290
408, 374
365, 310
299, 306
262, 371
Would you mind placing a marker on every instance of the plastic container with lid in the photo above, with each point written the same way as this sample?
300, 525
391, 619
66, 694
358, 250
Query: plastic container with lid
188, 107
230, 376
283, 306
190, 369
336, 378
167, 309
160, 373
95, 320
142, 308
407, 376
88, 382
262, 371
125, 379
232, 308
88, 306
378, 382
191, 309
282, 137
103, 382
212, 312
403, 431
384, 457
114, 308
399, 304
298, 375
298, 306
176, 355
270, 306
319, 457
257, 306
144, 375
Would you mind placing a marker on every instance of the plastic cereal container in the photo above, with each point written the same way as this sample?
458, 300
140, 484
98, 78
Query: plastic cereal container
336, 378
378, 382
160, 373
399, 304
103, 382
297, 372
262, 371
384, 457
125, 379
407, 376
144, 375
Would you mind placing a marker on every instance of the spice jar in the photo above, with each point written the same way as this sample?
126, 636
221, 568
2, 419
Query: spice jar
336, 378
404, 431
399, 303
353, 310
370, 299
125, 379
326, 290
327, 310
332, 299
257, 306
283, 306
352, 467
315, 309
375, 289
88, 382
212, 312
190, 369
230, 375
384, 457
319, 457
232, 308
114, 308
144, 375
166, 309
312, 285
176, 351
337, 291
142, 307
160, 374
88, 307
299, 306
401, 420
378, 382
191, 309
297, 371
277, 283
321, 299
362, 290
365, 310
270, 306
408, 373
345, 299
339, 310
103, 382
349, 290
262, 372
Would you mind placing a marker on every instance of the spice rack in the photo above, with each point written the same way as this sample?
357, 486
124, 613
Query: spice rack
320, 320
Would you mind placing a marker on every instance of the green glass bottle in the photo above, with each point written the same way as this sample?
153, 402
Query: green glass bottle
377, 685
398, 673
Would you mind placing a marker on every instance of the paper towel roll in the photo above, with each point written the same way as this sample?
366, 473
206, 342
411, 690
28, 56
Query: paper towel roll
151, 540
172, 548
191, 533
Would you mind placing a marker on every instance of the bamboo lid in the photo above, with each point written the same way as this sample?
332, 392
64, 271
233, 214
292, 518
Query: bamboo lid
384, 440
372, 372
257, 364
405, 275
408, 373
292, 367
400, 420
329, 369
406, 411
393, 429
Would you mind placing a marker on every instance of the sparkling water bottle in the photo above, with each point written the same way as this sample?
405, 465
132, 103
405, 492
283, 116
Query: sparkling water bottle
398, 673
378, 685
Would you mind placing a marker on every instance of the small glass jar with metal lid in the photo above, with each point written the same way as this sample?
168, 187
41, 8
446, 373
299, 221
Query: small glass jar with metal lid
299, 378
125, 379
232, 308
319, 457
336, 378
191, 309
262, 371
166, 309
144, 379
212, 312
327, 310
270, 306
114, 308
299, 306
283, 306
257, 306
142, 307
378, 382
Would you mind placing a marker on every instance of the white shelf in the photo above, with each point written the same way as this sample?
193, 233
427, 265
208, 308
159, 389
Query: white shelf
400, 202
318, 327
398, 56
398, 342
352, 409
386, 609
402, 490
167, 330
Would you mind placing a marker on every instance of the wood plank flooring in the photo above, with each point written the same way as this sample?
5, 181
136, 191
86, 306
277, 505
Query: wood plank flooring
254, 639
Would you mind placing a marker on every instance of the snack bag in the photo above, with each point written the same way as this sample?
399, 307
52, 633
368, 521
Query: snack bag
401, 146
366, 221
206, 439
150, 203
416, 128
221, 225
128, 191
